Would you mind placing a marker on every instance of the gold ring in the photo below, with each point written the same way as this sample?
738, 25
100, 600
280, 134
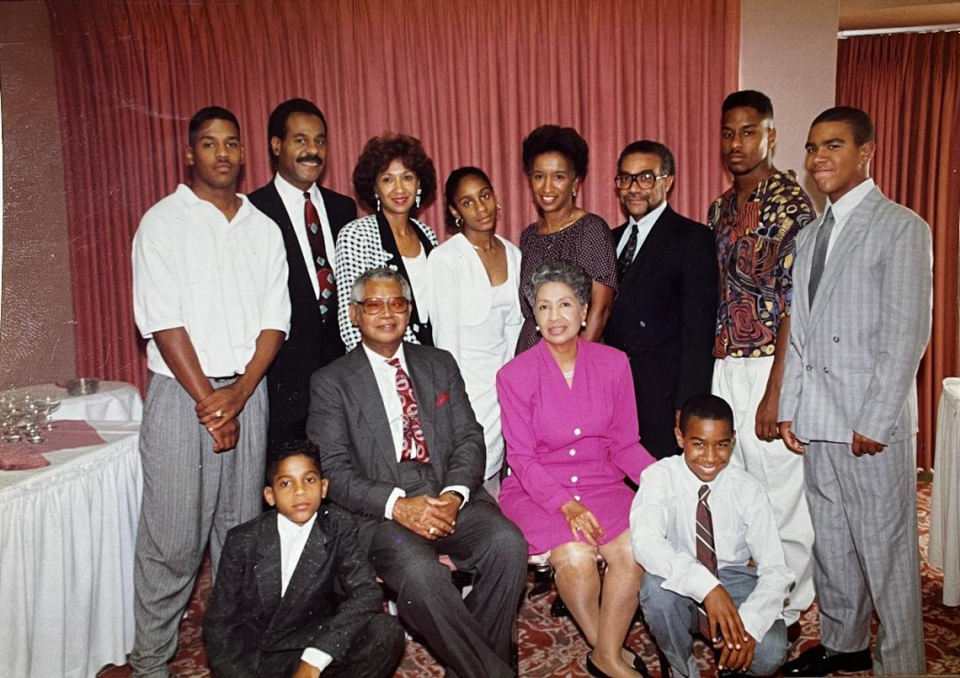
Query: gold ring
219, 413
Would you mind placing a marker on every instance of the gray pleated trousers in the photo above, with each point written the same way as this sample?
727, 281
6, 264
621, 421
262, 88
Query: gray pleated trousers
866, 551
191, 496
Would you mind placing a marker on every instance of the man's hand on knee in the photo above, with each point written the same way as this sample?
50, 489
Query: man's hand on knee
424, 516
726, 627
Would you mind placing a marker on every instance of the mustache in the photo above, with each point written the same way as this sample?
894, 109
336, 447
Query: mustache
310, 158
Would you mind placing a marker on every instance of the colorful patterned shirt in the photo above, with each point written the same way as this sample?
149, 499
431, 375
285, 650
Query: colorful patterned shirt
755, 251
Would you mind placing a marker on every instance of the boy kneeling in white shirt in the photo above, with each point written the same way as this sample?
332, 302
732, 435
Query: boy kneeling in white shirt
696, 526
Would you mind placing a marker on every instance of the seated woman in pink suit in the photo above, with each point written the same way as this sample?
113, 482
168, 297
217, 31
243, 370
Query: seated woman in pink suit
570, 423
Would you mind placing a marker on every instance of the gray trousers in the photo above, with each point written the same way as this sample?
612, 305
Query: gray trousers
191, 496
471, 636
866, 553
674, 620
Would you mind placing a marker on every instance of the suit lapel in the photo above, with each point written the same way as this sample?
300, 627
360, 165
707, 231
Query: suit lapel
844, 248
373, 415
651, 249
267, 569
308, 569
421, 374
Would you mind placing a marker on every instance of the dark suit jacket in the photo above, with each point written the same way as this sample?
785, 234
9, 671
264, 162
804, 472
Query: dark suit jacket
349, 423
249, 630
665, 313
311, 343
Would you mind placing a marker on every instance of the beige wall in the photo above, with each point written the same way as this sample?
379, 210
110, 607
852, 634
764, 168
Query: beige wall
37, 331
788, 51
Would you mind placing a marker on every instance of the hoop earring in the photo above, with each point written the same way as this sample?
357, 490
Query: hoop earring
419, 191
458, 221
378, 201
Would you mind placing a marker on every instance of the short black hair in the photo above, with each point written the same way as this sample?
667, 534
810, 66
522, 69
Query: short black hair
667, 164
376, 157
859, 122
453, 183
291, 448
555, 139
277, 124
749, 98
209, 113
705, 406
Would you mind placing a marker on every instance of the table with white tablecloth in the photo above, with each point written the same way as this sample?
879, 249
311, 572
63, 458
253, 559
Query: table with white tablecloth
113, 401
945, 505
67, 537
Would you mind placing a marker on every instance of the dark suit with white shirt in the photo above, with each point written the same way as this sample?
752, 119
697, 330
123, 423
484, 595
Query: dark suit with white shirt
314, 339
664, 319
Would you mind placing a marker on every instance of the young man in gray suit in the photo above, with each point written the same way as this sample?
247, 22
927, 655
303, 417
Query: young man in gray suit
405, 455
861, 321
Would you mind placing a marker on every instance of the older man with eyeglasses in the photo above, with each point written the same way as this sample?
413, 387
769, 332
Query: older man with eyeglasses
664, 314
405, 455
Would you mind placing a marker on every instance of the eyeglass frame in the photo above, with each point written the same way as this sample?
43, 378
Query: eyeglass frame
383, 302
635, 178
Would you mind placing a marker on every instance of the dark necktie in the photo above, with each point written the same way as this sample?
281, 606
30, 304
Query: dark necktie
706, 553
820, 253
414, 444
328, 284
626, 256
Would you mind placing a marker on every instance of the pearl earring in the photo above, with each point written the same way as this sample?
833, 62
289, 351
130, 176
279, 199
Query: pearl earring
574, 192
583, 323
538, 328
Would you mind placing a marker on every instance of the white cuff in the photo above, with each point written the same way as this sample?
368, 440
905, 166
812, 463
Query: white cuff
391, 500
462, 489
315, 657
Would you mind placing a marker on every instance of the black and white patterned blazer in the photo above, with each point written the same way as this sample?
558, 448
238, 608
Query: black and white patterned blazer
366, 243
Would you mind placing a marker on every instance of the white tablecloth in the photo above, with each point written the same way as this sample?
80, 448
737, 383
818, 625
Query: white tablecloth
67, 536
945, 509
114, 401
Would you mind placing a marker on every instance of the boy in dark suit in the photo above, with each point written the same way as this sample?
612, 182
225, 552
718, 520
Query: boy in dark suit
275, 610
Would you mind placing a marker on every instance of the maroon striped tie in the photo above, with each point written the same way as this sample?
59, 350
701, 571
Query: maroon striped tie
706, 552
414, 443
328, 283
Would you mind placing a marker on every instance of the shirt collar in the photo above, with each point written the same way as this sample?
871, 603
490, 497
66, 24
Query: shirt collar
289, 529
188, 196
650, 218
288, 192
379, 362
849, 201
694, 483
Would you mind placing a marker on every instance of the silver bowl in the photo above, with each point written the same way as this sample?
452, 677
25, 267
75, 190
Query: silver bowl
83, 386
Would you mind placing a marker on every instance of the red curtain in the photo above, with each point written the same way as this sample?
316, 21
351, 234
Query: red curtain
910, 85
469, 78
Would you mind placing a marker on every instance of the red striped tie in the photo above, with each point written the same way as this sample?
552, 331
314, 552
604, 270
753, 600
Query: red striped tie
706, 552
328, 283
414, 444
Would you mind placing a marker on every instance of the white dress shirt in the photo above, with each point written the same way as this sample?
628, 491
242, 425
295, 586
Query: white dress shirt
293, 201
386, 376
643, 228
293, 538
663, 531
419, 278
223, 281
844, 207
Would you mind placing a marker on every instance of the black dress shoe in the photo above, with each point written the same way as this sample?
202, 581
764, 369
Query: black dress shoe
592, 668
638, 664
817, 662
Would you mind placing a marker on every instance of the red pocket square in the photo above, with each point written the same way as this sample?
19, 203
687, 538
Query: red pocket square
443, 399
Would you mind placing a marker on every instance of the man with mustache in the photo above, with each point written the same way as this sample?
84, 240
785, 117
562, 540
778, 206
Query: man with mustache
309, 218
666, 307
756, 223
210, 295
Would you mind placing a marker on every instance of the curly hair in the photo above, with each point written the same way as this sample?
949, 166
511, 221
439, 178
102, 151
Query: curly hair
453, 183
555, 139
565, 272
376, 157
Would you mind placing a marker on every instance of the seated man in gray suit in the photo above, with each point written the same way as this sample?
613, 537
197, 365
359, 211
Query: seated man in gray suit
860, 324
405, 454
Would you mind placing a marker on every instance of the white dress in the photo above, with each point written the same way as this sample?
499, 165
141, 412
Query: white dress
479, 324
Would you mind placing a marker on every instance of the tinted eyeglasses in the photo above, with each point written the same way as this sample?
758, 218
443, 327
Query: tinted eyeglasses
645, 179
375, 305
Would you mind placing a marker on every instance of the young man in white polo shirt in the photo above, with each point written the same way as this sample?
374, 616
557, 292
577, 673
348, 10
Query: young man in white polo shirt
210, 295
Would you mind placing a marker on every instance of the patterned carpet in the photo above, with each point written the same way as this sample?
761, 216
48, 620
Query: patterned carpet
553, 647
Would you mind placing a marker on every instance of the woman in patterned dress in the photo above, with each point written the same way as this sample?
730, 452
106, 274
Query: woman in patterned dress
393, 176
555, 160
570, 423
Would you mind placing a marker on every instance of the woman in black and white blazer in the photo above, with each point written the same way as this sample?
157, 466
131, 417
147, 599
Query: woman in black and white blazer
394, 176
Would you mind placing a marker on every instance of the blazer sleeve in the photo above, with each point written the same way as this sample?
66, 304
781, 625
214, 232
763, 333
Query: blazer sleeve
906, 289
328, 427
228, 613
699, 296
362, 597
445, 301
467, 458
351, 261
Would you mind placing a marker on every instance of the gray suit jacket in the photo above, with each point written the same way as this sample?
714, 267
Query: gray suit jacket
853, 357
349, 423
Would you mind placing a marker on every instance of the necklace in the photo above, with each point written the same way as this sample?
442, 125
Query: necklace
569, 375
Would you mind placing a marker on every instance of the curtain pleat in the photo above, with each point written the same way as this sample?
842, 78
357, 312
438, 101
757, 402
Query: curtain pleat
910, 85
469, 78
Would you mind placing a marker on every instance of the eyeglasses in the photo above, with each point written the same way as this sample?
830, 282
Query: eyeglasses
645, 179
375, 305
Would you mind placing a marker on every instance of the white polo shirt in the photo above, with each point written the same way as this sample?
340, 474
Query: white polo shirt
223, 281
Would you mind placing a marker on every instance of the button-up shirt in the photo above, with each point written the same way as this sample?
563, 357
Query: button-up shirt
643, 226
844, 207
293, 201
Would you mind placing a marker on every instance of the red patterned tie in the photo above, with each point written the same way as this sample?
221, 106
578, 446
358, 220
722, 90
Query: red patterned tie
328, 284
414, 444
706, 553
